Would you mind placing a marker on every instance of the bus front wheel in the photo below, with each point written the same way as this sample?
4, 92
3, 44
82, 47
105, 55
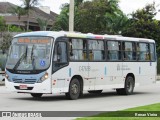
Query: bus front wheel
128, 88
36, 95
74, 89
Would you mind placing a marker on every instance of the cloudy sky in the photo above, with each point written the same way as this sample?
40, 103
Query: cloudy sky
128, 6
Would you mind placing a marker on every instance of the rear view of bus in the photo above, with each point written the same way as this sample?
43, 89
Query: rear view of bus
28, 63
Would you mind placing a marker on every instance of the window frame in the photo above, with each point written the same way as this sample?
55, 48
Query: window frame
120, 50
143, 51
155, 57
104, 60
123, 51
70, 60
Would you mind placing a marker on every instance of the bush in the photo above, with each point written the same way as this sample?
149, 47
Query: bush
3, 58
15, 29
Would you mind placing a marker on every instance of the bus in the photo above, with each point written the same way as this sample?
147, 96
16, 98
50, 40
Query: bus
49, 62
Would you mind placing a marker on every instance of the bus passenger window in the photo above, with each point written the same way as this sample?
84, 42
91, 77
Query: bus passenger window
78, 48
143, 52
114, 50
152, 51
96, 50
129, 51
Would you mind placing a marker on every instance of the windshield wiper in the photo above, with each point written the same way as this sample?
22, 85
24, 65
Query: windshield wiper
32, 58
20, 59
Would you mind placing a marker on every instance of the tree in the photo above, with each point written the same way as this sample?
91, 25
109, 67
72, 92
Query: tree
2, 24
42, 23
93, 16
62, 21
28, 5
143, 25
78, 2
5, 42
19, 11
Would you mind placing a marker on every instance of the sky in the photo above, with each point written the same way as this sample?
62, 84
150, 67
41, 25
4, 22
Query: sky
127, 6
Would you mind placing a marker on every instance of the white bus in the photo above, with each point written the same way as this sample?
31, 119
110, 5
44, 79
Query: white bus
47, 62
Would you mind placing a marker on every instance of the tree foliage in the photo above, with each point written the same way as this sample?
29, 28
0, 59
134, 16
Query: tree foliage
143, 25
5, 42
19, 11
63, 19
2, 24
28, 5
12, 28
94, 16
42, 23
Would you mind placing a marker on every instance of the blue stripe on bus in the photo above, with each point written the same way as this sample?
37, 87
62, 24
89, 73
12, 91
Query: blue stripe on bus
70, 72
139, 70
105, 70
150, 63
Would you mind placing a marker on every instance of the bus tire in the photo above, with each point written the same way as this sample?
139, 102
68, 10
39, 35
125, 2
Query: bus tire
129, 87
95, 91
36, 95
74, 89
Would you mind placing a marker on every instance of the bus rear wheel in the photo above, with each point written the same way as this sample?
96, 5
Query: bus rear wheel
74, 89
129, 87
95, 91
36, 95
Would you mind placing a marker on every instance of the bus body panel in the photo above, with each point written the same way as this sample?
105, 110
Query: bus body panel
139, 70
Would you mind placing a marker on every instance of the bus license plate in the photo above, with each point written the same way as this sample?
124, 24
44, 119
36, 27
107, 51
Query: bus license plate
23, 87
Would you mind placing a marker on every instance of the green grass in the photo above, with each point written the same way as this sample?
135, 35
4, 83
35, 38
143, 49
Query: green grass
128, 114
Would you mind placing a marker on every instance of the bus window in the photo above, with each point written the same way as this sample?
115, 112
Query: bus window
114, 50
143, 52
78, 49
60, 55
96, 50
129, 51
152, 52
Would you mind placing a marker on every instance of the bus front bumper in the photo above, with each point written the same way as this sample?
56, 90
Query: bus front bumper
44, 87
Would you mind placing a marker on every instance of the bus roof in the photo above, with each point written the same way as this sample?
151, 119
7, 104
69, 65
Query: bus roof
81, 35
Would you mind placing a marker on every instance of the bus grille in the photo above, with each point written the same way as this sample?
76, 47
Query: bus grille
25, 81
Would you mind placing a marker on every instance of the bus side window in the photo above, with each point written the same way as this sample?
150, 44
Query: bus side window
152, 51
143, 52
114, 50
78, 49
129, 51
96, 50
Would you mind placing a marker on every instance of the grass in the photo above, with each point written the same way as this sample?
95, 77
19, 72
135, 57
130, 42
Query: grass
128, 114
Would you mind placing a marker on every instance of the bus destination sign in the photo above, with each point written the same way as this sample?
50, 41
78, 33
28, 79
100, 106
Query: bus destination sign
33, 41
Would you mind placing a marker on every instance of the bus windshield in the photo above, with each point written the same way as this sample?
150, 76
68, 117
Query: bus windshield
29, 53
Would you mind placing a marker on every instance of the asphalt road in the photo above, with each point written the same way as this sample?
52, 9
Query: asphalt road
107, 101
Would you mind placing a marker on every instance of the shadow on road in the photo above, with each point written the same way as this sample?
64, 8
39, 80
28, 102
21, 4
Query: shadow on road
85, 96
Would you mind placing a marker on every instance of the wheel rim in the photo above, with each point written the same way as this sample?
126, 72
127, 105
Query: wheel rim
129, 85
74, 89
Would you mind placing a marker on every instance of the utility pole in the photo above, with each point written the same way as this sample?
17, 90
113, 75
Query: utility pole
71, 16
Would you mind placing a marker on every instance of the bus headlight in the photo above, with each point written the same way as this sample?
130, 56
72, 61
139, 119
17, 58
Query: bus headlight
43, 78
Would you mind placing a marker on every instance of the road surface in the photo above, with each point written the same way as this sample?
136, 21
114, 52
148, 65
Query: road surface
107, 101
